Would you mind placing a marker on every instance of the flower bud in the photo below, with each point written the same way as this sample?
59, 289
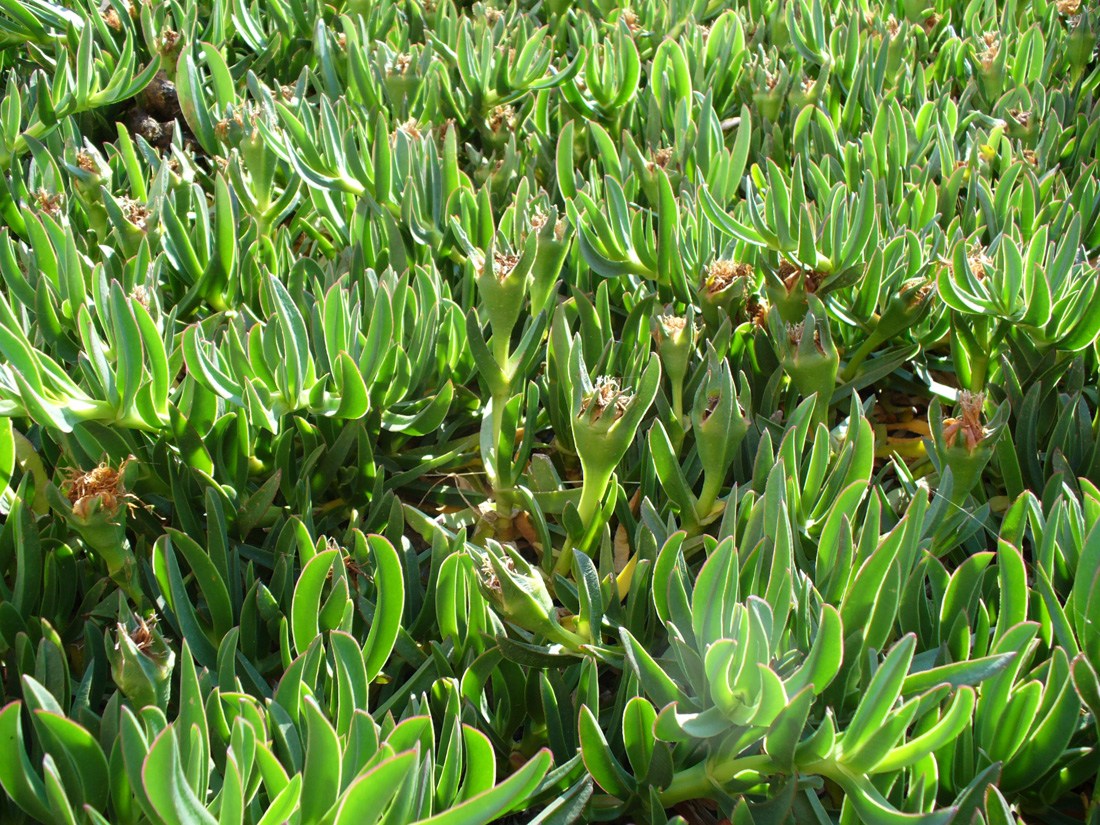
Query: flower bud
906, 308
788, 289
769, 89
141, 663
519, 594
808, 356
965, 443
720, 424
725, 288
675, 336
1082, 40
551, 249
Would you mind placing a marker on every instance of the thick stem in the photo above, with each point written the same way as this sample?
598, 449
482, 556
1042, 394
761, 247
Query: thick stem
678, 413
698, 783
712, 486
502, 493
860, 355
592, 490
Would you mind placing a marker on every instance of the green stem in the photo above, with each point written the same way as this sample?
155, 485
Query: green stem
860, 355
712, 486
592, 490
697, 782
502, 494
678, 413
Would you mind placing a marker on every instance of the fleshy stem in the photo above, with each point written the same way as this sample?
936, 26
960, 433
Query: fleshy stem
593, 488
860, 355
697, 782
502, 496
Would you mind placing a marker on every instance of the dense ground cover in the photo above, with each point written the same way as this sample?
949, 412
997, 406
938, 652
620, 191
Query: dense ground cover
421, 411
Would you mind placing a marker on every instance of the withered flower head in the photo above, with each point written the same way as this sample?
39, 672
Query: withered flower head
757, 312
135, 211
489, 575
969, 421
411, 128
49, 203
103, 484
979, 261
723, 272
141, 295
111, 18
606, 393
502, 117
142, 635
673, 324
660, 159
795, 332
504, 264
168, 42
1068, 7
787, 273
992, 48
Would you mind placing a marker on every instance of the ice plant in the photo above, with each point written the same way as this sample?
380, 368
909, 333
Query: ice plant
965, 442
724, 290
675, 337
606, 417
720, 420
904, 309
516, 588
141, 662
96, 502
808, 356
340, 481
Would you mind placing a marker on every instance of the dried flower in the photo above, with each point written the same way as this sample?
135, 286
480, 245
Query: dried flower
111, 18
722, 273
503, 264
969, 423
411, 128
102, 486
135, 211
141, 295
660, 159
48, 202
978, 261
502, 117
606, 393
992, 48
